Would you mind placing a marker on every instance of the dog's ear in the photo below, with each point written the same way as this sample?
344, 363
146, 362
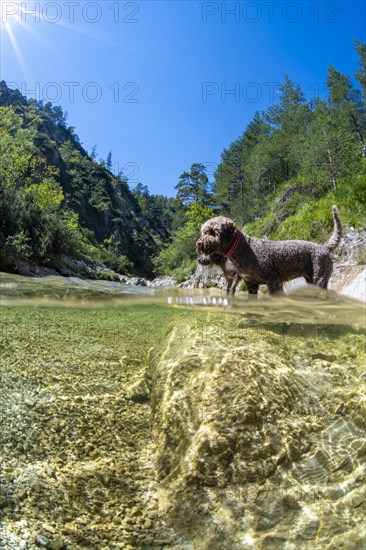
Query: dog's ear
199, 246
232, 227
227, 230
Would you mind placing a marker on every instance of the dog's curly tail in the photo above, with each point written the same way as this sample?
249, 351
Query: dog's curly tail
337, 231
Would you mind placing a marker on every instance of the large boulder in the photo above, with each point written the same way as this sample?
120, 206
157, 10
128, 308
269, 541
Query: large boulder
259, 432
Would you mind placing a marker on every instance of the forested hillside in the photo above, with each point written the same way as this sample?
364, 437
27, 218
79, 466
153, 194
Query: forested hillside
278, 179
57, 199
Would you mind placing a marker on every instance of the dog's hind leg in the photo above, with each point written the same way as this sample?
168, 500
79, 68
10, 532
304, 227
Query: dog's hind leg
322, 272
273, 285
252, 289
229, 285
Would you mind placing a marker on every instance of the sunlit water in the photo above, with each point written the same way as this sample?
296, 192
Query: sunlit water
77, 454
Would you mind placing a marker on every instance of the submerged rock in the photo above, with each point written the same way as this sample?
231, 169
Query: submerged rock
257, 443
139, 392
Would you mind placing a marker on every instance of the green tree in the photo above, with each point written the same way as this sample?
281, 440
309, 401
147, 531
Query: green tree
194, 186
17, 148
331, 146
108, 161
179, 257
229, 178
33, 226
361, 72
47, 195
290, 119
236, 187
343, 96
20, 163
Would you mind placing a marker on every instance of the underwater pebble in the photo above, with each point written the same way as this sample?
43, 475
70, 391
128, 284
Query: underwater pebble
135, 511
42, 540
29, 402
308, 527
148, 523
78, 462
355, 498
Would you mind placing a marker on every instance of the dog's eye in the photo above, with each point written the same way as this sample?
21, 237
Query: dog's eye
212, 232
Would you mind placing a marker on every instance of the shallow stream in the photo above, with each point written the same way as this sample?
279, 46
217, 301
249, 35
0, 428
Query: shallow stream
81, 455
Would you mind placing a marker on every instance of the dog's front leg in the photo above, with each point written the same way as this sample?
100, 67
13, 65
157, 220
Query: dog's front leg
229, 283
235, 283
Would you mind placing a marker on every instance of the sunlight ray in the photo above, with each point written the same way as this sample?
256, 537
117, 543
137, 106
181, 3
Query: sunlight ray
71, 27
35, 34
25, 20
18, 53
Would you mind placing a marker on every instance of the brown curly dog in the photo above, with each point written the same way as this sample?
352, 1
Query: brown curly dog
261, 261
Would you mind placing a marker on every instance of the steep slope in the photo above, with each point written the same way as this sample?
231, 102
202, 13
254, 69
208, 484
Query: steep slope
107, 209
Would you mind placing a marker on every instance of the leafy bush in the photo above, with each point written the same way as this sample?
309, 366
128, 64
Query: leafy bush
115, 261
29, 232
47, 195
18, 245
179, 257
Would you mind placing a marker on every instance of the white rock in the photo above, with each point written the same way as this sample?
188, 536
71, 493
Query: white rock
357, 288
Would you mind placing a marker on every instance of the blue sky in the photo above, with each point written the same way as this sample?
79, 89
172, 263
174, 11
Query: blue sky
164, 84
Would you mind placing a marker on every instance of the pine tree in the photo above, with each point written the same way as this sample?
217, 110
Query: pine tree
194, 186
361, 73
108, 161
331, 146
343, 96
93, 154
235, 192
290, 119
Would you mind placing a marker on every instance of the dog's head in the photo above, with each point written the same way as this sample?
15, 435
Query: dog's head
217, 235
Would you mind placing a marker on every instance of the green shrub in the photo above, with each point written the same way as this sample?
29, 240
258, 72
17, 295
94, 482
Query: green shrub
19, 246
31, 232
179, 257
115, 261
262, 227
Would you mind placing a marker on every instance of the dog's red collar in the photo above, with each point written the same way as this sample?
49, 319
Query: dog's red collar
234, 245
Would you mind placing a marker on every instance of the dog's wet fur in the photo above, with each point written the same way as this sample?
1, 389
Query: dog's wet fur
261, 261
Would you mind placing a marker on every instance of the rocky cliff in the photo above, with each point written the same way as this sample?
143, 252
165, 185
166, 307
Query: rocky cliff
108, 211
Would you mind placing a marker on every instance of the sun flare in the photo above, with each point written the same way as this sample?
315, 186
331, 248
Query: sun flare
20, 20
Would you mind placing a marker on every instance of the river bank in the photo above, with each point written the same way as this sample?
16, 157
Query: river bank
348, 278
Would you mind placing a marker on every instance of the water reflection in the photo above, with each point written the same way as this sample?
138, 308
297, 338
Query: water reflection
305, 305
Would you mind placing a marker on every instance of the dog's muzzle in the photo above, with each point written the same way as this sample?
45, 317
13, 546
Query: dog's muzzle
205, 260
207, 245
